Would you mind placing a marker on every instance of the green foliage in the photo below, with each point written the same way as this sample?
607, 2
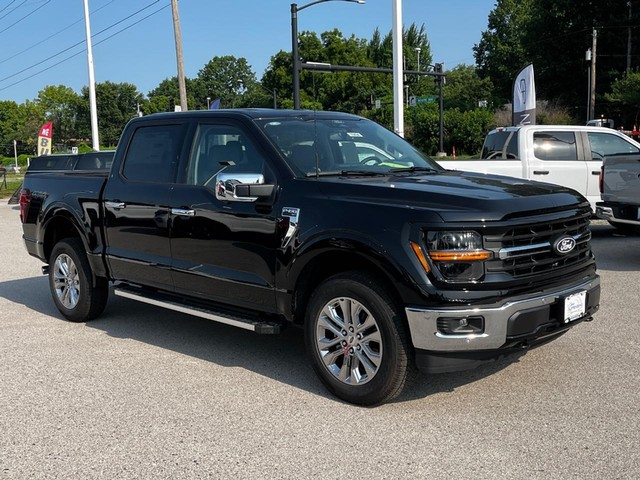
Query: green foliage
464, 88
226, 78
117, 103
60, 104
500, 54
464, 130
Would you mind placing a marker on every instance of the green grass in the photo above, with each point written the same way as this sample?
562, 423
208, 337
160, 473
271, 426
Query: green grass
13, 182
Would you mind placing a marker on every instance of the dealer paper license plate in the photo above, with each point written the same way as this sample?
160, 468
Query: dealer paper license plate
574, 306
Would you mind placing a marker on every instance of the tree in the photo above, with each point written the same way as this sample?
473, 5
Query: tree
625, 92
117, 103
60, 105
226, 78
465, 89
501, 52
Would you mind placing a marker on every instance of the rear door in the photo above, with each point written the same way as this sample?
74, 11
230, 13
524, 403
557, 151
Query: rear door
136, 204
224, 250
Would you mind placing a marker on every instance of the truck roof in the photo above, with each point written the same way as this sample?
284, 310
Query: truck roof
256, 113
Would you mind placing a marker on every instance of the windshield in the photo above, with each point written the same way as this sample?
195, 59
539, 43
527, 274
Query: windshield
338, 146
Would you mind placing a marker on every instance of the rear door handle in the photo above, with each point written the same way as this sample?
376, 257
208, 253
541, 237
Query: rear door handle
116, 205
541, 172
183, 212
595, 172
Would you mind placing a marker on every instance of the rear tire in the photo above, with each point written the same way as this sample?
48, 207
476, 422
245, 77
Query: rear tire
357, 339
71, 282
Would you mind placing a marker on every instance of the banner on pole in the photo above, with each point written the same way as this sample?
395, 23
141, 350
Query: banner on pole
44, 139
524, 98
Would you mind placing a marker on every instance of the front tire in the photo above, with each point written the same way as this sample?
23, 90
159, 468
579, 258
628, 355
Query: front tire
71, 282
357, 340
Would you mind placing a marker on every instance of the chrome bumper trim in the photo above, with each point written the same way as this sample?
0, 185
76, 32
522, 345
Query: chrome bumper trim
424, 329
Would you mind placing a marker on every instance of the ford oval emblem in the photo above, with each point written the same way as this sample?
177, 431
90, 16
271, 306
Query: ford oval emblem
564, 245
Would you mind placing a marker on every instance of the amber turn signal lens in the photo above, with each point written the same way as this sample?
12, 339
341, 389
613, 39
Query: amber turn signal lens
421, 258
459, 256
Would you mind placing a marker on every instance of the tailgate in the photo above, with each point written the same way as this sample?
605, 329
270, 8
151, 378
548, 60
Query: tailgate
622, 179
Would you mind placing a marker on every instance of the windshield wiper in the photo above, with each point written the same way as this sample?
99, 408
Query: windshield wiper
355, 173
413, 169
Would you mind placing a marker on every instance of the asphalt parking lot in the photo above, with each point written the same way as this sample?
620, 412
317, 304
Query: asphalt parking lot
147, 393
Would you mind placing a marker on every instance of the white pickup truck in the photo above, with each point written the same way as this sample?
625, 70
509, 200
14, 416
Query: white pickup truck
620, 187
566, 155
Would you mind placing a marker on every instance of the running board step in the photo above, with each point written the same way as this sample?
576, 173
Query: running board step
234, 319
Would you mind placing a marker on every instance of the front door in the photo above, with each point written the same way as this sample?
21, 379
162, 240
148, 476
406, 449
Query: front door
223, 250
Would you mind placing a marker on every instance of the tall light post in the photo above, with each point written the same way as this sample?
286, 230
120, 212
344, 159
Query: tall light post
208, 102
418, 50
294, 44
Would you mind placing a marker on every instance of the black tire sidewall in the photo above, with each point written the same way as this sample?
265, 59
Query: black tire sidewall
75, 250
395, 355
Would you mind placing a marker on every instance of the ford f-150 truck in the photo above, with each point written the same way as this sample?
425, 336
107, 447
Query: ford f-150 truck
620, 187
566, 155
264, 218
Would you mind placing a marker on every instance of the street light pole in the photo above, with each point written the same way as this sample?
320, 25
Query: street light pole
295, 55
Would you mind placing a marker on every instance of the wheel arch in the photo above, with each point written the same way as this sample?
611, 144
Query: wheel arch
329, 257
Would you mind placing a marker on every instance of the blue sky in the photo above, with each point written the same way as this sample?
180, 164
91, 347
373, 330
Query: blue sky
144, 54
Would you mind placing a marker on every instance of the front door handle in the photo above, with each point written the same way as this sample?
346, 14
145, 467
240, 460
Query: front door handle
541, 172
595, 172
183, 212
116, 205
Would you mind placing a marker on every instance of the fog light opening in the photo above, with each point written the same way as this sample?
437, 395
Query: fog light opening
461, 325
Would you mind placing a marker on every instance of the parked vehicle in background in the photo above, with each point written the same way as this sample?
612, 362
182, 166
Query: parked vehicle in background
69, 161
566, 155
620, 187
601, 122
265, 218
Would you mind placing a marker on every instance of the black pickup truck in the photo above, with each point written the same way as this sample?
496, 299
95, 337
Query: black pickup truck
265, 218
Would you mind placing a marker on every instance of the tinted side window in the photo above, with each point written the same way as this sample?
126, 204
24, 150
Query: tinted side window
607, 145
53, 162
153, 153
555, 146
95, 161
221, 147
501, 145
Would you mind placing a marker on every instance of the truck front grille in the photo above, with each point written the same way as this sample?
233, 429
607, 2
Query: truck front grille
526, 250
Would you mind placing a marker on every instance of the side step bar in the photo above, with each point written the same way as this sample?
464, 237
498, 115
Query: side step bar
171, 303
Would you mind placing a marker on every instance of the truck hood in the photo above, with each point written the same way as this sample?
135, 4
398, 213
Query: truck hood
454, 195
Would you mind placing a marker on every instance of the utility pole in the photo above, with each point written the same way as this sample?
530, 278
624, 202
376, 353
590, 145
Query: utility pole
398, 104
629, 40
178, 37
93, 108
592, 96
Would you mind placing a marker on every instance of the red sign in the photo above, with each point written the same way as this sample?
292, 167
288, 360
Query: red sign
44, 139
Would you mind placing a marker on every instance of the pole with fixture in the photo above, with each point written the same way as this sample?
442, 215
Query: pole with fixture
295, 54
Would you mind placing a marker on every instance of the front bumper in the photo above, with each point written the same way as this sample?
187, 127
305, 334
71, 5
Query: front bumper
517, 322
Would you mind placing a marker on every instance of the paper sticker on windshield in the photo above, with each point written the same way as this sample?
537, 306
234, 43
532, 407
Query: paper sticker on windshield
354, 134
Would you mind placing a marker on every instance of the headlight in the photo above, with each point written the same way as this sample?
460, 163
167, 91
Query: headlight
457, 256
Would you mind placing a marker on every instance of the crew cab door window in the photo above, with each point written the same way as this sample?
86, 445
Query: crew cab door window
152, 154
221, 148
607, 145
555, 146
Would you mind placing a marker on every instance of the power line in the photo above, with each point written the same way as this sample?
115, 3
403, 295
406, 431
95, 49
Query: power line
12, 10
12, 1
52, 35
75, 44
26, 16
82, 51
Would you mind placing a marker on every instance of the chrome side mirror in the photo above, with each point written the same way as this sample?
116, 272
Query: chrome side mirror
241, 187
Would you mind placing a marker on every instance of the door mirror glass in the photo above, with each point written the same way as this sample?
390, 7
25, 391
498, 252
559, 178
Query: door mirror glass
241, 187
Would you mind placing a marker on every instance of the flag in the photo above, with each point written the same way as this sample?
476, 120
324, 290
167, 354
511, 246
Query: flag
44, 139
215, 105
524, 98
